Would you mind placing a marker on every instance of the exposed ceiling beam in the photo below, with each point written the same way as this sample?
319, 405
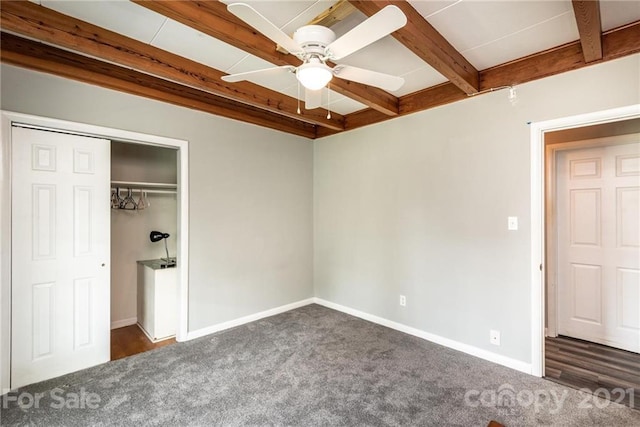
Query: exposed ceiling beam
616, 43
41, 23
212, 18
587, 13
41, 57
336, 13
425, 99
428, 44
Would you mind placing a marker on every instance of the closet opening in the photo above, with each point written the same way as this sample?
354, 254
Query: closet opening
144, 224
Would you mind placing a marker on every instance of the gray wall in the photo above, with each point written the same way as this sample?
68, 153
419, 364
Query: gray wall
418, 206
250, 207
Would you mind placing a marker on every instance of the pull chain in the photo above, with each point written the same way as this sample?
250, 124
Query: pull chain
298, 97
328, 101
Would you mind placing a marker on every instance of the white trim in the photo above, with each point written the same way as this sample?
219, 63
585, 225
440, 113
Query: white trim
537, 272
5, 254
150, 338
6, 120
182, 328
550, 243
538, 219
248, 319
456, 345
124, 322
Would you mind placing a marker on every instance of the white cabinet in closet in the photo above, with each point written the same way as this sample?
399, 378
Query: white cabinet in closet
157, 286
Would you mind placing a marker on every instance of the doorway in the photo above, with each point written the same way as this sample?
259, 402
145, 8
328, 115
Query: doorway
8, 120
592, 295
143, 206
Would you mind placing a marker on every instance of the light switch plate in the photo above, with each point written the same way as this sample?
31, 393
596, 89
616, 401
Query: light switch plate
512, 223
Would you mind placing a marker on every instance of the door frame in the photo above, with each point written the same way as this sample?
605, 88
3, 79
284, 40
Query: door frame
538, 269
7, 118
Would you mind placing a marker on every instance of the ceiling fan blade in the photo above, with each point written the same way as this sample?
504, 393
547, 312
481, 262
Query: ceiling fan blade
368, 77
383, 23
312, 99
238, 77
266, 27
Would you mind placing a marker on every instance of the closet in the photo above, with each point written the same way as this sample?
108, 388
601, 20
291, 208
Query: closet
143, 283
70, 271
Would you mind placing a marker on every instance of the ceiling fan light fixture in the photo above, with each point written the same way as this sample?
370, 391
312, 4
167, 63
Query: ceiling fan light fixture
314, 75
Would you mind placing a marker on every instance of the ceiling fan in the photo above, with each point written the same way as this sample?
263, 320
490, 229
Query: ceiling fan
314, 45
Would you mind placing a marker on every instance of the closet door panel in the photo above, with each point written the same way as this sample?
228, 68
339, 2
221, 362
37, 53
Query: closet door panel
60, 254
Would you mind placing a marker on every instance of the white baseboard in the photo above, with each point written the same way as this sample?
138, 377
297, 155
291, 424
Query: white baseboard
456, 345
153, 340
124, 322
247, 319
465, 348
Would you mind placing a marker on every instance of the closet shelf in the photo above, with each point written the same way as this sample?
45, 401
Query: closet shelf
144, 185
151, 187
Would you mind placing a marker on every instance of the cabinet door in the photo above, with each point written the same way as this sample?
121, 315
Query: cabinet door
165, 307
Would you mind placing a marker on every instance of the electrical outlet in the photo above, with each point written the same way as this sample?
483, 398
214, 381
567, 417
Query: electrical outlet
494, 337
403, 300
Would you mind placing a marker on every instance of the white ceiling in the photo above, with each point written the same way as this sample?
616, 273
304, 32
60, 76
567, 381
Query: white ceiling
487, 33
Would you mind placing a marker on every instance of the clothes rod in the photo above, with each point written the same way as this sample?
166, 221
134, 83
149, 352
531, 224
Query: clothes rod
144, 190
145, 185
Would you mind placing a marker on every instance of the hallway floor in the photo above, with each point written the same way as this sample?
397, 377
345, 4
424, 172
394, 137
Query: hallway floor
606, 371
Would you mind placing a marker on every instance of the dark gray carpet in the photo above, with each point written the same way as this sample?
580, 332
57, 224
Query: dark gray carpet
310, 367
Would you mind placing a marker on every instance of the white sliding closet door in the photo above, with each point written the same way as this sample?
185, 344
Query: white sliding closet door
60, 254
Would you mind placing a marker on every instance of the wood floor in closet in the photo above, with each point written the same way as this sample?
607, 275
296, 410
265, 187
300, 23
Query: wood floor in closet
131, 340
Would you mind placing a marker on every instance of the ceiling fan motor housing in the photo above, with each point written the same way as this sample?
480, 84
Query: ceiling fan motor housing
314, 38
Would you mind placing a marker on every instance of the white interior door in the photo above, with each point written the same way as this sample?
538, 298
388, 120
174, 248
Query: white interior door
598, 219
60, 250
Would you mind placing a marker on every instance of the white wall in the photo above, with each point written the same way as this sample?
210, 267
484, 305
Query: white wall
418, 206
250, 207
130, 228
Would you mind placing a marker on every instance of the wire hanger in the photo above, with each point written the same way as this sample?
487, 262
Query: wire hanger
128, 202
